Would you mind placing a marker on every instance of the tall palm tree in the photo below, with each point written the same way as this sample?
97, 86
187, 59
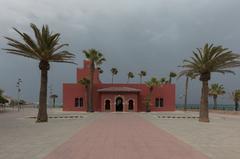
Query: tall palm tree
171, 75
205, 61
53, 97
215, 90
44, 48
130, 75
96, 58
86, 82
114, 72
236, 98
142, 74
151, 84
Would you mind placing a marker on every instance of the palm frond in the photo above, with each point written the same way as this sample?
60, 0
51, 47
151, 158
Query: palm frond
209, 59
44, 47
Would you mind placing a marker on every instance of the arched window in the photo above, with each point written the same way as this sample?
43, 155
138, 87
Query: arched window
107, 105
130, 105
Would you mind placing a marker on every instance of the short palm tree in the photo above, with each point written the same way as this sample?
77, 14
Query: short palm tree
205, 61
142, 74
215, 90
53, 97
86, 82
151, 84
171, 75
44, 48
1, 92
100, 70
96, 58
114, 72
2, 99
163, 80
236, 98
130, 75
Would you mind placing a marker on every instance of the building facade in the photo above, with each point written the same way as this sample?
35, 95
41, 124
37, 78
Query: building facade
110, 97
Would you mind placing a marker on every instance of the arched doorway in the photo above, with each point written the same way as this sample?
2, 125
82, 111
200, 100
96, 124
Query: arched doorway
130, 105
119, 104
107, 105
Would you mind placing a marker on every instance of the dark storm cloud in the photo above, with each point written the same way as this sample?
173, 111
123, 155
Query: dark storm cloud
155, 35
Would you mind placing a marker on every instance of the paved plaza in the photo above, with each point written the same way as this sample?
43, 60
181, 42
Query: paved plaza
165, 135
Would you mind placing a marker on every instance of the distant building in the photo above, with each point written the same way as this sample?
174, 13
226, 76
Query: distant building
116, 97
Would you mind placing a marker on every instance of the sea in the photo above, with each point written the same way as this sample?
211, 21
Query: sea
196, 106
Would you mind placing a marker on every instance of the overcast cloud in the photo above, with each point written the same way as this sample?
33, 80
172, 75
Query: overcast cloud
155, 35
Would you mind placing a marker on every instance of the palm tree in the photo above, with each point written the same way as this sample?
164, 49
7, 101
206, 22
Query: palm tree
141, 74
151, 84
44, 48
86, 82
114, 72
130, 75
171, 75
236, 98
215, 90
100, 70
163, 80
96, 58
2, 99
207, 60
53, 97
1, 92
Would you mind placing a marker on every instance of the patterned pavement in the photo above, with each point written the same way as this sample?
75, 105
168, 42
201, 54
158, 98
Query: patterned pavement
123, 136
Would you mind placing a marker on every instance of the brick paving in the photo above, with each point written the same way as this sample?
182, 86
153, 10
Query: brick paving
123, 136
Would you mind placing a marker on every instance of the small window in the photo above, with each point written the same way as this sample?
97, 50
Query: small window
76, 102
107, 105
130, 105
157, 102
161, 102
79, 102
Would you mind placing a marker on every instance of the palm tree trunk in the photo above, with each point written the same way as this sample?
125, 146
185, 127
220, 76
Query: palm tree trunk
204, 102
140, 79
186, 93
87, 96
112, 79
214, 102
53, 102
92, 68
236, 105
170, 80
42, 112
148, 100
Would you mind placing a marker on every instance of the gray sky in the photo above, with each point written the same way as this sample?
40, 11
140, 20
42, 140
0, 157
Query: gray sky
155, 35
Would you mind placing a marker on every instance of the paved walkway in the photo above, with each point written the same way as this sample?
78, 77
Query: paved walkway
123, 136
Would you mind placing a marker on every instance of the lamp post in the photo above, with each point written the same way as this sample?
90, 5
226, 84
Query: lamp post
18, 91
50, 92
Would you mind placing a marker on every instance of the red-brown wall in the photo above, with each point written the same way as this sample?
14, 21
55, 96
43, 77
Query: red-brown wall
70, 92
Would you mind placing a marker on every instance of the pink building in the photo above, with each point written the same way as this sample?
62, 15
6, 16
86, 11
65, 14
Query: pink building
116, 97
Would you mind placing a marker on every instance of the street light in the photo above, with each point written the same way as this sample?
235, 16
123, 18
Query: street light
18, 91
